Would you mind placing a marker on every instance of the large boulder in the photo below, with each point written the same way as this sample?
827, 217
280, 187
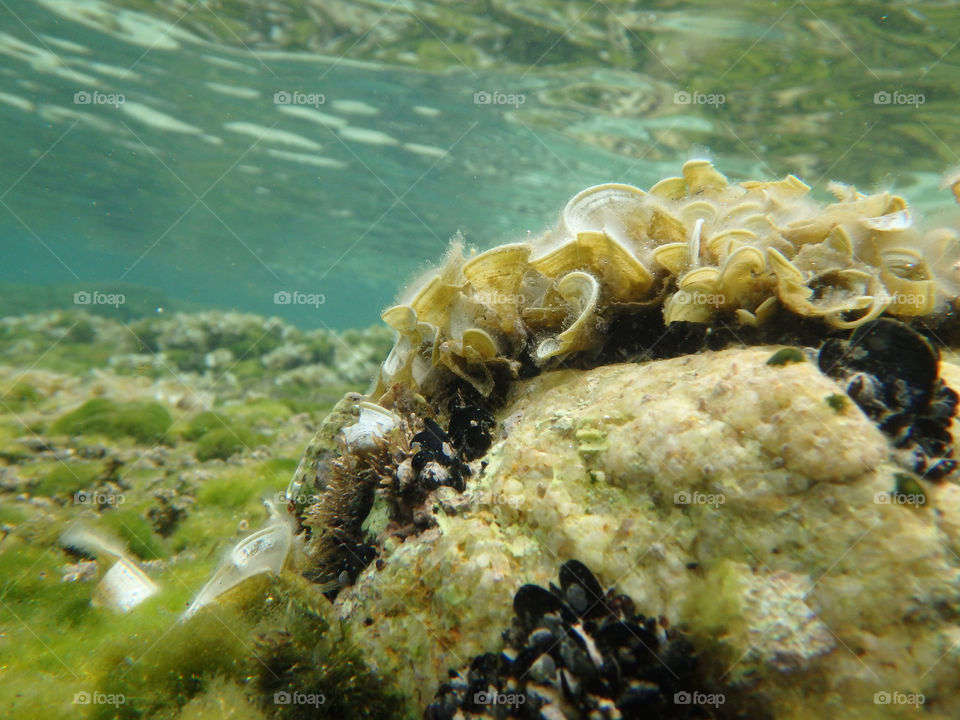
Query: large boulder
752, 504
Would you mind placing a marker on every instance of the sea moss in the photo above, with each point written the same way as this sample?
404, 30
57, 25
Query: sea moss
145, 422
60, 478
136, 531
21, 395
282, 638
224, 442
785, 356
222, 435
202, 424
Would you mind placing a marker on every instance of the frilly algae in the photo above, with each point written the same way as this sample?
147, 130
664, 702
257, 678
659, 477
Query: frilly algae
698, 246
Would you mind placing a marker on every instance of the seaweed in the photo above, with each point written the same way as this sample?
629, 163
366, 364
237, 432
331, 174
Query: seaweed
145, 422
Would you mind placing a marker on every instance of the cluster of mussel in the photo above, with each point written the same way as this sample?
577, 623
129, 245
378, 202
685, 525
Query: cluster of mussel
575, 651
892, 372
696, 246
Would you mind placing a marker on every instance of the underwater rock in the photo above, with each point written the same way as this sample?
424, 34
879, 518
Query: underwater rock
576, 651
739, 498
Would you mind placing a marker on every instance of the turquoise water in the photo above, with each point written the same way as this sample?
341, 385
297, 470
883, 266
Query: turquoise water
169, 185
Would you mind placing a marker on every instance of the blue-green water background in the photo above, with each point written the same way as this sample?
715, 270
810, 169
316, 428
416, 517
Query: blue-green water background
93, 198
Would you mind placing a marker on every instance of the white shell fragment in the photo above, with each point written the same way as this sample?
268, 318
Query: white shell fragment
375, 423
123, 587
264, 551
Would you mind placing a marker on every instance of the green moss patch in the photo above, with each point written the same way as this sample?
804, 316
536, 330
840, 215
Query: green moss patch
21, 395
785, 356
58, 478
145, 422
224, 442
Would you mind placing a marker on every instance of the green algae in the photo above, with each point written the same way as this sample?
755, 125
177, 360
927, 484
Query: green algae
223, 434
713, 610
221, 699
59, 478
136, 531
145, 422
270, 636
232, 491
20, 396
224, 442
837, 402
591, 441
59, 643
785, 356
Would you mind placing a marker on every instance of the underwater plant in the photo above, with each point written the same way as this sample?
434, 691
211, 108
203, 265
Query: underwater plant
145, 422
698, 247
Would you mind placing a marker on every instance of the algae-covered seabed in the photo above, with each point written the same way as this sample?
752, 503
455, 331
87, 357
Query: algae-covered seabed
170, 452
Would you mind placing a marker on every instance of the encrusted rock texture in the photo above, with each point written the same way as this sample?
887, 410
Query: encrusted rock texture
745, 502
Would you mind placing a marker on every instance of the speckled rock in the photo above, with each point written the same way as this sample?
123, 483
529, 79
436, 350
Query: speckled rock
742, 500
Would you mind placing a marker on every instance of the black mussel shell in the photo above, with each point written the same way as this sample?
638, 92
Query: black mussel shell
588, 602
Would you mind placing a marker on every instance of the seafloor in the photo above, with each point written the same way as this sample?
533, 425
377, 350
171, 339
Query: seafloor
163, 437
793, 567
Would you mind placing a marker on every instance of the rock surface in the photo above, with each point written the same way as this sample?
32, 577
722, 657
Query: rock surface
744, 501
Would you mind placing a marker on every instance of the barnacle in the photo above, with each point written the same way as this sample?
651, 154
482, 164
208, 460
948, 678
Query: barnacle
701, 248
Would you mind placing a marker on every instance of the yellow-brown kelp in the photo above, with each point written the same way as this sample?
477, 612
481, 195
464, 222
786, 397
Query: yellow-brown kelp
697, 245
